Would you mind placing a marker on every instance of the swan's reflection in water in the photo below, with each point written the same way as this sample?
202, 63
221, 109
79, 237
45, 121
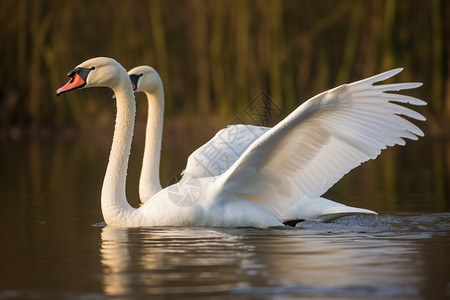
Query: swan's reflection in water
139, 262
160, 261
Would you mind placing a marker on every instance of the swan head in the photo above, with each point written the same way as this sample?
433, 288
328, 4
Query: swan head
94, 72
144, 79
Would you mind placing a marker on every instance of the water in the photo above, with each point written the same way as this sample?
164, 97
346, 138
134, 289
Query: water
54, 245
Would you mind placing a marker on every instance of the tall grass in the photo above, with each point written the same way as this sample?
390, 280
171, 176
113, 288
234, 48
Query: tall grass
215, 56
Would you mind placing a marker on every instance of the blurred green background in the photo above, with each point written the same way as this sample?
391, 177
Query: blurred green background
215, 56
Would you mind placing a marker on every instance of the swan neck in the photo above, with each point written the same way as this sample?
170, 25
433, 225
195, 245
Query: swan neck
115, 208
149, 183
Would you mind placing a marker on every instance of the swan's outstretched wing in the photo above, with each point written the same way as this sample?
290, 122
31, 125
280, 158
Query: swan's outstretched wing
222, 151
321, 141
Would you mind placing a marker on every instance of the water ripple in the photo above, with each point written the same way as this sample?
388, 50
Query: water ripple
411, 224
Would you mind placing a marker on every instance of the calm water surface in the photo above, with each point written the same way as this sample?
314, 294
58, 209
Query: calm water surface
55, 246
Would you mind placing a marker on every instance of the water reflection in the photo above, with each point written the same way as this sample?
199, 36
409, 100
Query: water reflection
347, 258
50, 195
161, 261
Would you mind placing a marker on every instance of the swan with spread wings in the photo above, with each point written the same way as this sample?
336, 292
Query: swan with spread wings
302, 156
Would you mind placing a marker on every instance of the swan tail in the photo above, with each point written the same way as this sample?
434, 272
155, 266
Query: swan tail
322, 210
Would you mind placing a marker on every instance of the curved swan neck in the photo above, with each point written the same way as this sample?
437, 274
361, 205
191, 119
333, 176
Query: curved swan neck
149, 183
115, 207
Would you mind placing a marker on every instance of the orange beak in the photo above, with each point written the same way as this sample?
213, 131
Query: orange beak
74, 83
78, 78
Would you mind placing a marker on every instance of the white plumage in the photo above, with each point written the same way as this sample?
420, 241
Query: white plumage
302, 156
214, 157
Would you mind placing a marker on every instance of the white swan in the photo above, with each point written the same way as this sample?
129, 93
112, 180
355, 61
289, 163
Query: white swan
145, 79
214, 157
211, 159
303, 155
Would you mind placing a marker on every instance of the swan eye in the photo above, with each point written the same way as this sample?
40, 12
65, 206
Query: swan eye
92, 68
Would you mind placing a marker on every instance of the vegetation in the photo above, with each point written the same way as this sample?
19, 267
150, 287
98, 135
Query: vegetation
216, 56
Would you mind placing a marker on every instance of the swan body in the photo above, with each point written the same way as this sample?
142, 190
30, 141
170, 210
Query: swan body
302, 156
214, 157
226, 146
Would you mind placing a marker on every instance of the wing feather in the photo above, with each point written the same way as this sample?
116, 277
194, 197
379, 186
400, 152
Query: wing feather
321, 141
219, 153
